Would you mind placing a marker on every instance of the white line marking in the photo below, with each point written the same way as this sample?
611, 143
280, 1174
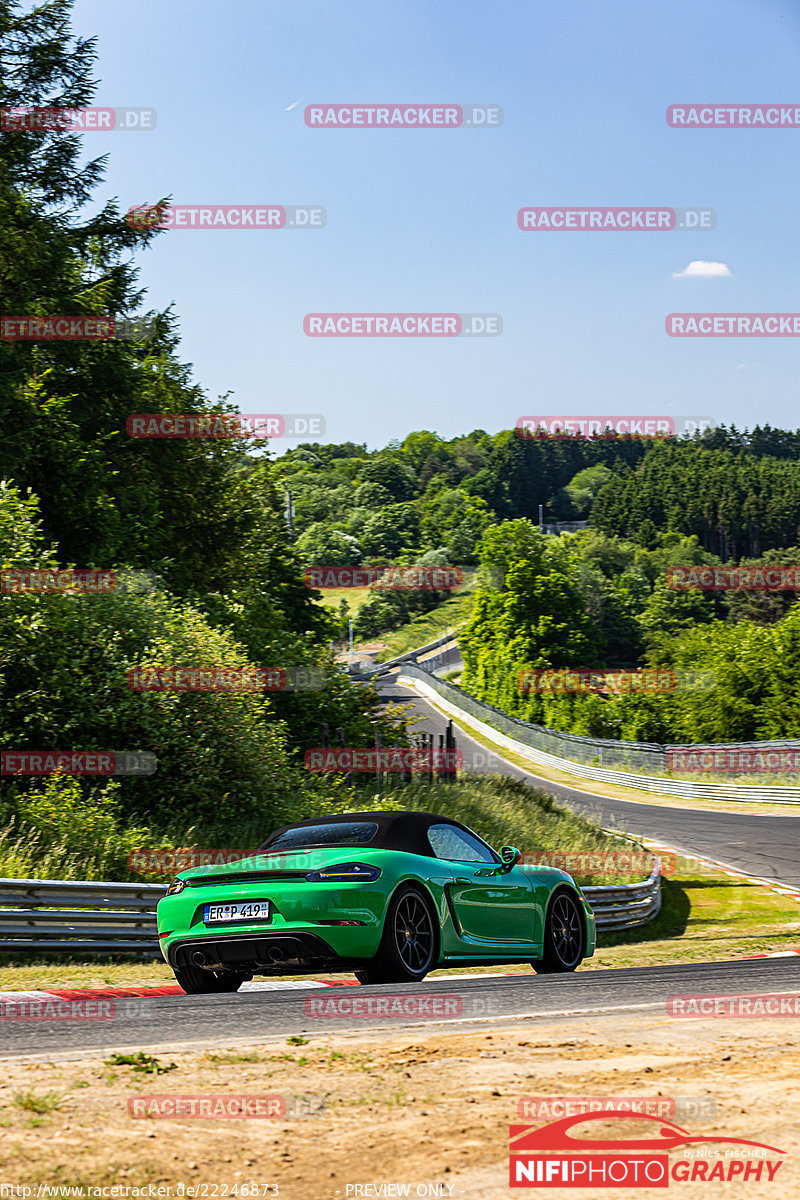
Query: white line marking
26, 996
278, 985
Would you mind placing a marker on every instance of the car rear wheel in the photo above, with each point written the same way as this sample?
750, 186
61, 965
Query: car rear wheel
563, 936
410, 944
197, 982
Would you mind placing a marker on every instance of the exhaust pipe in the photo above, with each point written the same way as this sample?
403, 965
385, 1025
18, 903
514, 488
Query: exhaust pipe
276, 954
199, 958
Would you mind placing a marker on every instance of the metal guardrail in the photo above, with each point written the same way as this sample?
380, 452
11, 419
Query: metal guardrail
557, 527
410, 656
623, 906
76, 915
577, 755
72, 916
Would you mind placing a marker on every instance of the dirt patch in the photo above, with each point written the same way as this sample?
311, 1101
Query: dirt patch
428, 1109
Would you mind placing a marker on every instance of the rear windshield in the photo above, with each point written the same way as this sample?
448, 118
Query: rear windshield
339, 833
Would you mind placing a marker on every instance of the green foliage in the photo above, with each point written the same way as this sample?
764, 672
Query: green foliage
574, 501
202, 515
455, 520
372, 495
727, 491
320, 545
140, 1063
65, 685
391, 531
527, 613
637, 621
21, 542
105, 498
637, 489
68, 823
396, 477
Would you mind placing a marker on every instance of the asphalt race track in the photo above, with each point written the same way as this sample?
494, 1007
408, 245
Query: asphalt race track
765, 846
176, 1022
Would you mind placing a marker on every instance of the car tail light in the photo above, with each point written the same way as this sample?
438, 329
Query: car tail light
344, 873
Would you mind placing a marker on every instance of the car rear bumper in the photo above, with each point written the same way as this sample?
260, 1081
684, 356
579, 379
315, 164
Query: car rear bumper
258, 953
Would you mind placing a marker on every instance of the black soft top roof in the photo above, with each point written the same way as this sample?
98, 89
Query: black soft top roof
396, 830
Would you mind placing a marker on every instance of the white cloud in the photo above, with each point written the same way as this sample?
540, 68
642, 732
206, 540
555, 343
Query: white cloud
702, 270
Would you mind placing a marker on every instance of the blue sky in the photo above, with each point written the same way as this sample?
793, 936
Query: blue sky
425, 221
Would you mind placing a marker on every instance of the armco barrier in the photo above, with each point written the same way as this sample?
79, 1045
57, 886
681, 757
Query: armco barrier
75, 915
409, 657
622, 906
576, 755
67, 915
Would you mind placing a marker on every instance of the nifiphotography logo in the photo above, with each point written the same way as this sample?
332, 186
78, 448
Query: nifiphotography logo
554, 1156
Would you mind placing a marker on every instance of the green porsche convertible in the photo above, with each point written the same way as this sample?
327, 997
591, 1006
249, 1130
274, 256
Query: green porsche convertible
388, 895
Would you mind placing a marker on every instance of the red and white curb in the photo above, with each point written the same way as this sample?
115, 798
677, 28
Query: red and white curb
151, 993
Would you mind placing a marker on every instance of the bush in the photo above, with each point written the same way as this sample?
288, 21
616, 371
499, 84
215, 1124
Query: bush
64, 662
56, 828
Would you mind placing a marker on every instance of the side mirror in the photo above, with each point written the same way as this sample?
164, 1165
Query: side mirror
510, 856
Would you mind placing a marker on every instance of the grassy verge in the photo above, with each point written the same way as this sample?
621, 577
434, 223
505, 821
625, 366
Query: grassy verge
706, 916
32, 972
355, 597
426, 627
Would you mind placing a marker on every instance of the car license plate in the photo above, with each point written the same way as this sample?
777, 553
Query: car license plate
242, 910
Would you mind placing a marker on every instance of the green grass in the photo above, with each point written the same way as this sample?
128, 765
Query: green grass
426, 627
227, 1058
421, 629
46, 1102
355, 597
141, 1063
706, 916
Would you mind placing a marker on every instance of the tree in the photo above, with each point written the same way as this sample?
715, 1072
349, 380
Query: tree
574, 501
372, 495
322, 546
527, 614
418, 447
391, 530
391, 474
201, 513
105, 498
454, 518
